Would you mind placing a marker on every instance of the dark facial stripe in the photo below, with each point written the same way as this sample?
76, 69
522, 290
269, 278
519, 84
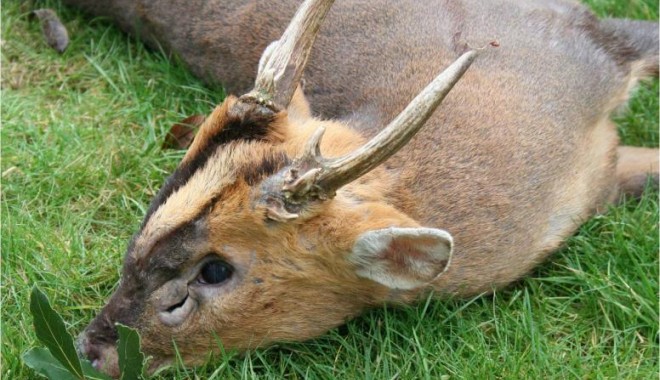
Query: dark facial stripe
168, 253
242, 125
271, 163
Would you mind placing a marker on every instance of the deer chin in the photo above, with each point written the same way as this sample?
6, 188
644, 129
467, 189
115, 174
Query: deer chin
108, 363
105, 358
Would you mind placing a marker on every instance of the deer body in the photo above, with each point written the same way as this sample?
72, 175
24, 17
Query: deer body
519, 154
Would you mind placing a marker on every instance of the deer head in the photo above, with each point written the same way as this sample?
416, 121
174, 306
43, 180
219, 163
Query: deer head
275, 226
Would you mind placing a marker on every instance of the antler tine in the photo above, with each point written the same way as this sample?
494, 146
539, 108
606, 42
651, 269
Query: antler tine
311, 156
313, 147
327, 175
282, 63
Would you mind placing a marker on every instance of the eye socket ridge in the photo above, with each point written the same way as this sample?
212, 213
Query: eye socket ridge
215, 271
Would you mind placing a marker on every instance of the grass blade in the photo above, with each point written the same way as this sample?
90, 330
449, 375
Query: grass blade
44, 363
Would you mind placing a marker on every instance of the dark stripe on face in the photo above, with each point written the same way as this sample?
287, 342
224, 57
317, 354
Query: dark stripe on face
169, 253
254, 172
240, 126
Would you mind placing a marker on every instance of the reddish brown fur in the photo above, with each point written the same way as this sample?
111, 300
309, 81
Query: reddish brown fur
520, 153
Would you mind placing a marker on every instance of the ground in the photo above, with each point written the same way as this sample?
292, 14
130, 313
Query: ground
81, 158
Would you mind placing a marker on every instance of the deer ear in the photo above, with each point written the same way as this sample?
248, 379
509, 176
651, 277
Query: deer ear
402, 258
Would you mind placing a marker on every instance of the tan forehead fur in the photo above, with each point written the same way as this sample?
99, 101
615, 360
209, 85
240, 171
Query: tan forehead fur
206, 183
186, 203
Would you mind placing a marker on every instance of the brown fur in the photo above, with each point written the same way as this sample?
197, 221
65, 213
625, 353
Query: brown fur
636, 167
519, 154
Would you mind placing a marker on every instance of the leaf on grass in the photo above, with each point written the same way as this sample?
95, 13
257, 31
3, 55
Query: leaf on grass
131, 358
43, 362
51, 331
182, 134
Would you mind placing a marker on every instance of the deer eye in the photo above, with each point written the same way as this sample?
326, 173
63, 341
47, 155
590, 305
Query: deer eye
214, 272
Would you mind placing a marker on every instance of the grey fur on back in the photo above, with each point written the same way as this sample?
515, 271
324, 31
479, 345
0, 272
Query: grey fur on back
371, 48
498, 154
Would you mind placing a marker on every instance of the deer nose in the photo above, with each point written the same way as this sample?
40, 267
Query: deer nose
102, 355
87, 350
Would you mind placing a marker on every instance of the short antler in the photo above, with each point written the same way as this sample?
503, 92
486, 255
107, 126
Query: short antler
313, 176
282, 63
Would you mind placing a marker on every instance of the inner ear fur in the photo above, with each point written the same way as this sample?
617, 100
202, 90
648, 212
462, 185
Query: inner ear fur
392, 249
402, 258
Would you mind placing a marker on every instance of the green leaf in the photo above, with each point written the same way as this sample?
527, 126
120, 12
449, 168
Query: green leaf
51, 331
92, 373
131, 358
43, 362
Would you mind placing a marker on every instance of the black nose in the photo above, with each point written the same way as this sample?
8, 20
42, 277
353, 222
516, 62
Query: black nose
100, 334
102, 329
86, 349
82, 344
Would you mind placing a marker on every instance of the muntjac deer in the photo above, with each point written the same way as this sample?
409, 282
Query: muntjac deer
278, 225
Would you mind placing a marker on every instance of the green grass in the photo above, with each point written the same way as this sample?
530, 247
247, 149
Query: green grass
81, 160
